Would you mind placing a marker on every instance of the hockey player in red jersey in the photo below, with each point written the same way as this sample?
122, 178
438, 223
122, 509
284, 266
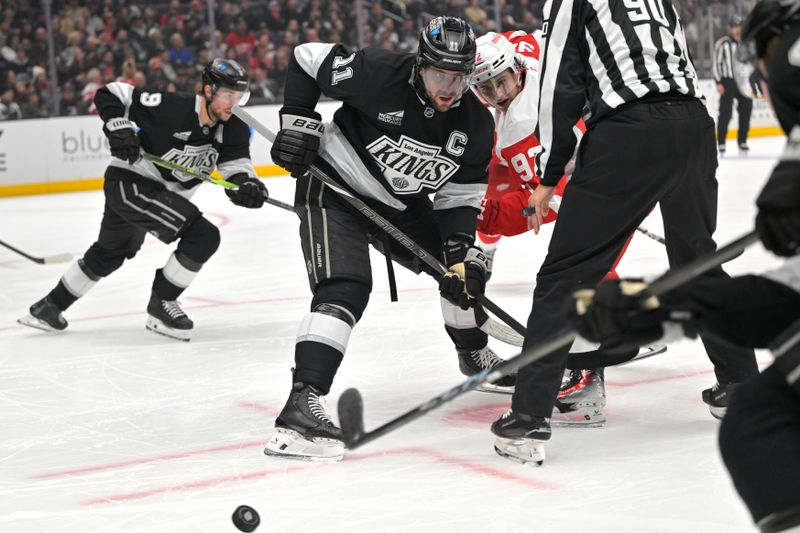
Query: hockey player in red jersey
506, 79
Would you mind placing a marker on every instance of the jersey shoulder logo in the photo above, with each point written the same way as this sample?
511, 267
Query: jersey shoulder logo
201, 158
410, 166
395, 118
182, 135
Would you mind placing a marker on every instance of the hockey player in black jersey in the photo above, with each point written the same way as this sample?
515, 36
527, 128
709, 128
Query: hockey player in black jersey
407, 128
760, 433
196, 131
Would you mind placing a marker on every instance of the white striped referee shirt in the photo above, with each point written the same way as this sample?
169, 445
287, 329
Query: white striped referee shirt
606, 53
724, 54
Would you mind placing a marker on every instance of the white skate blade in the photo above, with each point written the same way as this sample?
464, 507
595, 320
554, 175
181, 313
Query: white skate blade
497, 389
580, 418
525, 451
33, 322
290, 444
717, 412
647, 351
156, 326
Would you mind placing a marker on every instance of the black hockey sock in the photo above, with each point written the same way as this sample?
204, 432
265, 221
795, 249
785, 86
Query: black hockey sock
467, 339
316, 364
61, 297
164, 289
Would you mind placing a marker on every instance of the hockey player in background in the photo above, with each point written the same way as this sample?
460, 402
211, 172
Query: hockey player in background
760, 434
408, 127
196, 131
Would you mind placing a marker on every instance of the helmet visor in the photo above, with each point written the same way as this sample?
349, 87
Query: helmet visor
229, 96
498, 88
444, 82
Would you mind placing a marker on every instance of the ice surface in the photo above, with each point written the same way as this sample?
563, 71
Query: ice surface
108, 427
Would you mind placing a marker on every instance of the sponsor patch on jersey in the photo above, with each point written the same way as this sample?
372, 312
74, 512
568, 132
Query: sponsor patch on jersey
182, 135
395, 118
201, 158
410, 166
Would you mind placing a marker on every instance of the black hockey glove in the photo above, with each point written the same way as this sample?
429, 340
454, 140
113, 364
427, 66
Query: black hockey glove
122, 139
778, 219
467, 277
297, 142
615, 315
251, 191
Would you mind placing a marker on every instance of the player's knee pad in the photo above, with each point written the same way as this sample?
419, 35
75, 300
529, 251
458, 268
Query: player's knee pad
102, 261
199, 241
352, 296
458, 318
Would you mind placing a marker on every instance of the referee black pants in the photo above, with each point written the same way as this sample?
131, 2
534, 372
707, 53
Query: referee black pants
648, 152
744, 106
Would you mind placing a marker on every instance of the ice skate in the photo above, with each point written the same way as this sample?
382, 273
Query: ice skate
718, 397
471, 362
44, 315
581, 400
521, 437
304, 430
166, 317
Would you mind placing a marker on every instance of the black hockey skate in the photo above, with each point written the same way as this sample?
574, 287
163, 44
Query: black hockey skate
521, 437
581, 400
471, 362
718, 397
166, 317
304, 430
44, 315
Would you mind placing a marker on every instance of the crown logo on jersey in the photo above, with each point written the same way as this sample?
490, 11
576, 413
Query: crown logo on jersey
201, 158
410, 166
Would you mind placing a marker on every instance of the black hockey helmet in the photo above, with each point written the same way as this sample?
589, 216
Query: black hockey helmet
768, 19
447, 43
227, 73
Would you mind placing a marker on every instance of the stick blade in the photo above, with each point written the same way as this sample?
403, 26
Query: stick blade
351, 416
58, 258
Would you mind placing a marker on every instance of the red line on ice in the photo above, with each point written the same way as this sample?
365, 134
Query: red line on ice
151, 459
423, 452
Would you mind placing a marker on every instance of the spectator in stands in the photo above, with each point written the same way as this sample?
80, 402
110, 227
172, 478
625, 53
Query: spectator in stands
9, 109
70, 103
94, 83
241, 40
33, 107
275, 21
476, 16
179, 54
128, 72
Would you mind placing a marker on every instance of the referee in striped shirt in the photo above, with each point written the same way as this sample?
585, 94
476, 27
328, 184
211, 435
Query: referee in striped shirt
649, 140
728, 89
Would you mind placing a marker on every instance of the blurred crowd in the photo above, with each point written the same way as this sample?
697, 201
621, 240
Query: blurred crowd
159, 46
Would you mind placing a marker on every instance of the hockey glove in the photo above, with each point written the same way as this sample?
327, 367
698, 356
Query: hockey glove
778, 219
467, 277
297, 142
251, 191
616, 315
122, 139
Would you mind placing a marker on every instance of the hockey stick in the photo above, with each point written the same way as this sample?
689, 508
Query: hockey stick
351, 405
50, 259
529, 211
210, 179
490, 326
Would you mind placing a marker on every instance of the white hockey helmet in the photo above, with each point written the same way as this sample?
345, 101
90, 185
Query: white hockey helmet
495, 54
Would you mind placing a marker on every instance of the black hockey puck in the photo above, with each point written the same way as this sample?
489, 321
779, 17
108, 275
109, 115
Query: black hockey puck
245, 518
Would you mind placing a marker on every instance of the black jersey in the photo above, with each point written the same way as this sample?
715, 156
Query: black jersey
784, 82
387, 143
170, 129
